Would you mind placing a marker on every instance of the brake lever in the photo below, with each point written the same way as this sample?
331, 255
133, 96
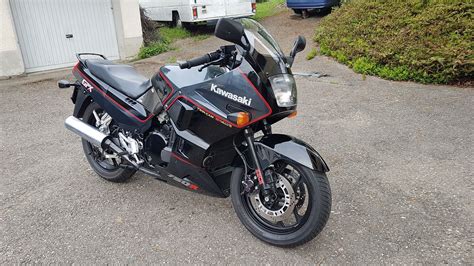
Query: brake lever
234, 60
210, 64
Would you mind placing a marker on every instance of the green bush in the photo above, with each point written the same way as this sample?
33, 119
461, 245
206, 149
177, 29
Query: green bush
429, 41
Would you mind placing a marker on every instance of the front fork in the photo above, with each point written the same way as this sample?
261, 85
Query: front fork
265, 180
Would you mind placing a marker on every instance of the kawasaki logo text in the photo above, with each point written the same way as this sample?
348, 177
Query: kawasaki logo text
231, 96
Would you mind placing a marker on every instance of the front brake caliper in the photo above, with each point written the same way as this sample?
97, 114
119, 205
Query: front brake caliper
248, 185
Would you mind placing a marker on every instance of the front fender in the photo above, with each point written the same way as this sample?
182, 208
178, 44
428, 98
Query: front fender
274, 147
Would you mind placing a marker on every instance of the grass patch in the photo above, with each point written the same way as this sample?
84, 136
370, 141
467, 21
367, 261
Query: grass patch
172, 34
268, 8
429, 41
171, 60
154, 48
166, 37
312, 54
201, 37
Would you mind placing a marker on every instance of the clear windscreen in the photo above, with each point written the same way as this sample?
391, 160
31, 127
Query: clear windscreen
261, 39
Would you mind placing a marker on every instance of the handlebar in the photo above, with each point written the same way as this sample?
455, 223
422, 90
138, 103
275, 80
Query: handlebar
201, 60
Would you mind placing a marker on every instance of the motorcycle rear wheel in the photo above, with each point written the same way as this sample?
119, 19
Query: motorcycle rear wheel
105, 168
311, 186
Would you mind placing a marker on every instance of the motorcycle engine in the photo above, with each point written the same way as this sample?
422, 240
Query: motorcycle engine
155, 142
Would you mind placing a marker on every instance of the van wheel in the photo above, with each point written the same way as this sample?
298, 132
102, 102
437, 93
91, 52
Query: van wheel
304, 13
176, 23
297, 11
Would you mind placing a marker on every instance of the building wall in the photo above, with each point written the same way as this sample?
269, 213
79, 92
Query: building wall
127, 26
11, 62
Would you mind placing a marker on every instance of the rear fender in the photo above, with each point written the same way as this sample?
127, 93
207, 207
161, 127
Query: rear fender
274, 147
81, 101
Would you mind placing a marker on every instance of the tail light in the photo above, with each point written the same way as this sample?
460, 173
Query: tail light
254, 7
195, 12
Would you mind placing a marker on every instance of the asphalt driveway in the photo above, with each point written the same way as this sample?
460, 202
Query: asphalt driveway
401, 158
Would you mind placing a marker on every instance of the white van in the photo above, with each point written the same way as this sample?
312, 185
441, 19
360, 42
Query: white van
189, 11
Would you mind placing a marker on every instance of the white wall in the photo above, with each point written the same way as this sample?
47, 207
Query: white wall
128, 26
11, 61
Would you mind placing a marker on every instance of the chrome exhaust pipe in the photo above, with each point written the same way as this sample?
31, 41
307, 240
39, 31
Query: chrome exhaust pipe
96, 138
87, 132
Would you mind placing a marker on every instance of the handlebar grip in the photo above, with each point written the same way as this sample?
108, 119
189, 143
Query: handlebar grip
200, 60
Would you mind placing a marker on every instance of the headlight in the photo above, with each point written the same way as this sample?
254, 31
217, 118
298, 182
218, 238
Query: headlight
284, 88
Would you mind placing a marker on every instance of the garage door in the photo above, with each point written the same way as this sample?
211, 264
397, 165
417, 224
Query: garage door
51, 32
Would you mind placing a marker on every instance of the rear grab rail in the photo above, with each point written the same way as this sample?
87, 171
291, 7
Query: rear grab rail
79, 56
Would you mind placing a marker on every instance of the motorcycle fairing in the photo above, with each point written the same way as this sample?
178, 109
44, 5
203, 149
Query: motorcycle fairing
219, 96
209, 129
195, 178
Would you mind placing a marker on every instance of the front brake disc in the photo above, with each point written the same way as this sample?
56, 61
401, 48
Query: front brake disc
285, 204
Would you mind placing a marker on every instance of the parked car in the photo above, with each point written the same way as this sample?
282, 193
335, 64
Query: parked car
178, 12
302, 7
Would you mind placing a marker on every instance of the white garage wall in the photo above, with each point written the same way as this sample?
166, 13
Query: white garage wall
127, 25
42, 28
11, 62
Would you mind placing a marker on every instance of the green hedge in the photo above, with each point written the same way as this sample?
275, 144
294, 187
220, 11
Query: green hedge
428, 41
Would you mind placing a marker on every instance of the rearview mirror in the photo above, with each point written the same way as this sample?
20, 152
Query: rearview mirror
299, 46
231, 31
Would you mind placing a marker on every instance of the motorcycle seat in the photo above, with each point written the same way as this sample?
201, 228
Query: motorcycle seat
123, 78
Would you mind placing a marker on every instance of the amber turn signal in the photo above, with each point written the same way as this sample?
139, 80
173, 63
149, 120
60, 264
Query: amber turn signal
240, 118
292, 114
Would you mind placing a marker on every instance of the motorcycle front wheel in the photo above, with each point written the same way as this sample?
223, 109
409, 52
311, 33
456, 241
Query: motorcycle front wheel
294, 214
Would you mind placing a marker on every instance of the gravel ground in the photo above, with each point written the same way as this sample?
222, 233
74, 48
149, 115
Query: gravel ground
401, 158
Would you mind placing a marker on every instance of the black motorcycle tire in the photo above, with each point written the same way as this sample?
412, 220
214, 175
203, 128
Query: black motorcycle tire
117, 175
320, 190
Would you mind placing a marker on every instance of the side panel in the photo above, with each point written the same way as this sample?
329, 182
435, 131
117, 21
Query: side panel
186, 166
197, 178
274, 147
128, 113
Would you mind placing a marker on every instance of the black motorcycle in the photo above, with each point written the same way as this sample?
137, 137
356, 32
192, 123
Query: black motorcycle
194, 126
